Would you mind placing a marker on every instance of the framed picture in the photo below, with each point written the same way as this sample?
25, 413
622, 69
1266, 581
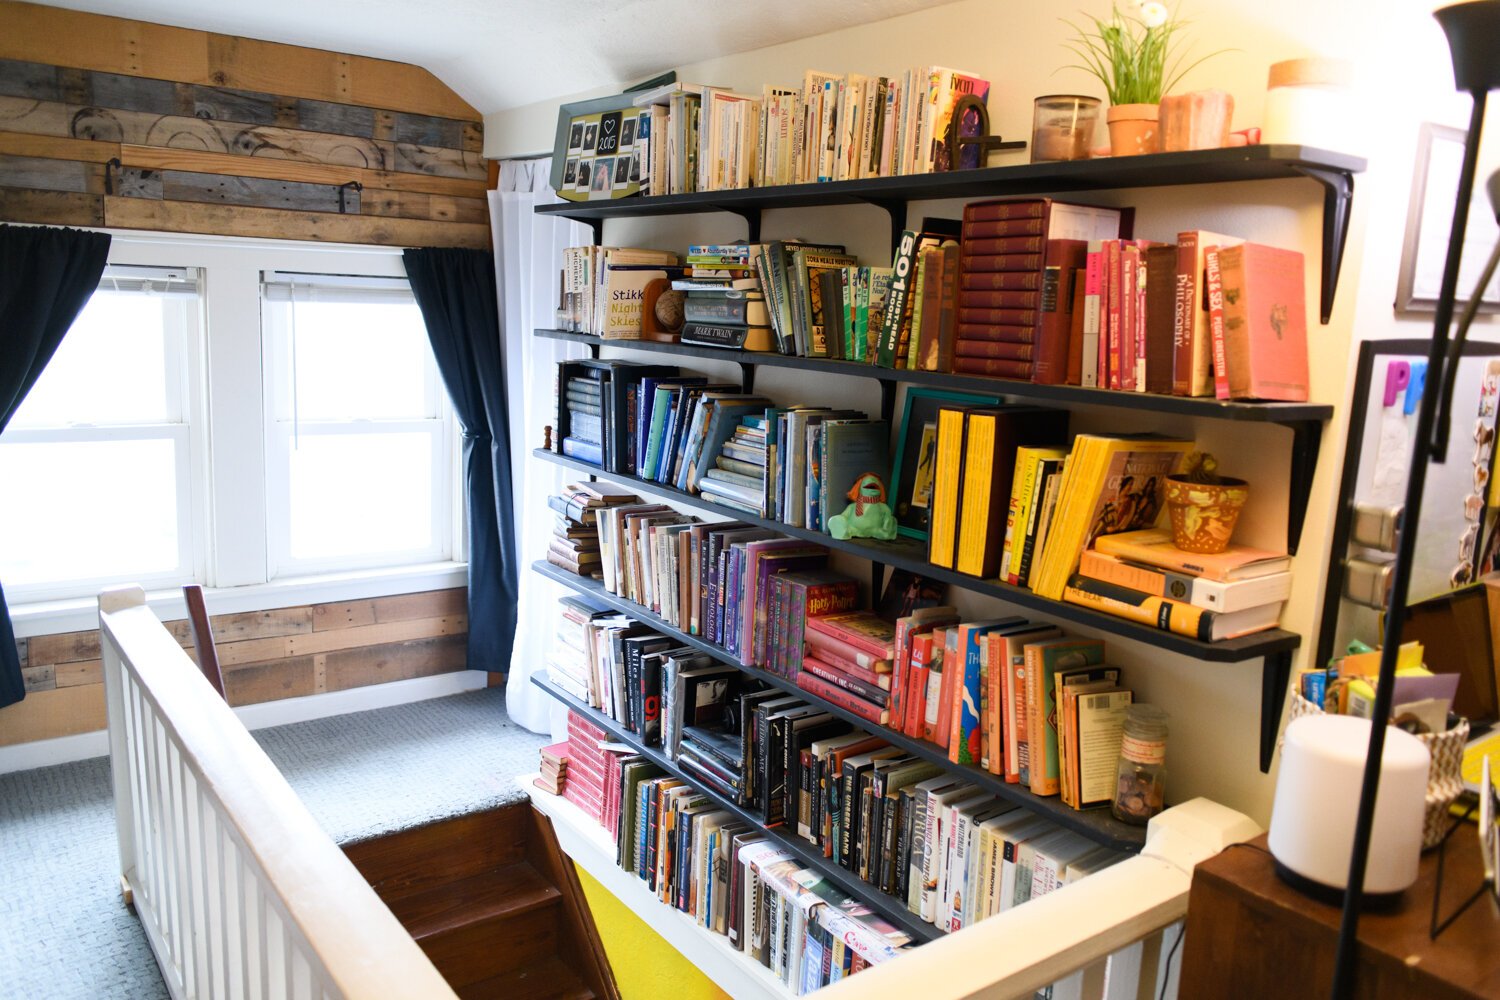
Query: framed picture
590, 138
916, 455
1434, 187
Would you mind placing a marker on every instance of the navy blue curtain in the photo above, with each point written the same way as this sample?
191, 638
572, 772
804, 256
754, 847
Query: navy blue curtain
456, 292
46, 277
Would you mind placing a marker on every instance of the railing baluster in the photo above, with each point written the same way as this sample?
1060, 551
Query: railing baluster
243, 897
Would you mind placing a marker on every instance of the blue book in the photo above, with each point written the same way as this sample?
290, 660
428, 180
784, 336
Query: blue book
966, 636
584, 451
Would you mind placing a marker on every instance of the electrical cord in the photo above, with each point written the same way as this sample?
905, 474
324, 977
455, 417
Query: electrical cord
1166, 976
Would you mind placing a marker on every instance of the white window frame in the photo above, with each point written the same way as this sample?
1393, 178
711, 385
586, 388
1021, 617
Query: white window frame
281, 432
182, 425
230, 560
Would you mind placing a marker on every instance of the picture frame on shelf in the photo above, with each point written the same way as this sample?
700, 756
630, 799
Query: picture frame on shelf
1440, 151
598, 132
916, 455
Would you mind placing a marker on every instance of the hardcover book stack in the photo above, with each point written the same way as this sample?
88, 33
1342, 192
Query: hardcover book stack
848, 662
554, 768
616, 385
738, 478
724, 305
1017, 284
1142, 576
586, 767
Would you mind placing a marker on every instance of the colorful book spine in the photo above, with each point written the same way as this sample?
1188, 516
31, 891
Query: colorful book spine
847, 700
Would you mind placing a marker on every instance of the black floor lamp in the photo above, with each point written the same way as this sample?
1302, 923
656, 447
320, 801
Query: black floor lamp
1473, 31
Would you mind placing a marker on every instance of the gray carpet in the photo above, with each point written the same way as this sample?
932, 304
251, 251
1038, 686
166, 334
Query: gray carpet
63, 931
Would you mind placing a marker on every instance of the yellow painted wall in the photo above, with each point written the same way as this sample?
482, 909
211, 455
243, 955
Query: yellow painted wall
645, 965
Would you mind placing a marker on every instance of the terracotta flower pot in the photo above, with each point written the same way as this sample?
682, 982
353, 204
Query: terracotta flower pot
1204, 516
1133, 129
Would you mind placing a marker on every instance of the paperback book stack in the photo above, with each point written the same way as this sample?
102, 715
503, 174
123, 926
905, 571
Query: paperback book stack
725, 305
585, 785
1142, 576
603, 288
833, 128
1017, 284
554, 772
569, 663
738, 478
575, 538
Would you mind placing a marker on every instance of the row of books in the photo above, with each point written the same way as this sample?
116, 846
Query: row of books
574, 545
723, 303
861, 801
601, 288
833, 128
734, 880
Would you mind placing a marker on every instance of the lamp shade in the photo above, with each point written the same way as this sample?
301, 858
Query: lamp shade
1317, 797
1472, 29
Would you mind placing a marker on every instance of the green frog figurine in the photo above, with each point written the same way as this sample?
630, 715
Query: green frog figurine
867, 515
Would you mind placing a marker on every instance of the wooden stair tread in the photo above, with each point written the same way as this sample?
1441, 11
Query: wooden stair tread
446, 850
506, 891
547, 979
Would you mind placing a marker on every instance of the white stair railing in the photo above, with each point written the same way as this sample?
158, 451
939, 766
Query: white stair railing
240, 893
1100, 937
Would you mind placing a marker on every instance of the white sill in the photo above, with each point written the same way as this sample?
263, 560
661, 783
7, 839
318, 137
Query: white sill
82, 613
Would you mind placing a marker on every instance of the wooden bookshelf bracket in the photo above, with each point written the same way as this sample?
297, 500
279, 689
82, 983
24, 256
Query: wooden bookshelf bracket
1338, 195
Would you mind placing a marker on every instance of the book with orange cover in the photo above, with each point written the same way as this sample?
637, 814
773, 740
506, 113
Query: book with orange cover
1043, 662
1265, 322
1001, 647
1153, 546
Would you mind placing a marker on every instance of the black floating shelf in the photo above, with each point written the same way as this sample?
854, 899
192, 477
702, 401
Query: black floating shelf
911, 555
1096, 824
1277, 413
887, 906
1206, 166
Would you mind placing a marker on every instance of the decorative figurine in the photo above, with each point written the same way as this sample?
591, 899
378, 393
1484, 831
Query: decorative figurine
867, 515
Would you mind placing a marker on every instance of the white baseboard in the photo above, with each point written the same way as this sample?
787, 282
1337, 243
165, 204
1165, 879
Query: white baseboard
61, 750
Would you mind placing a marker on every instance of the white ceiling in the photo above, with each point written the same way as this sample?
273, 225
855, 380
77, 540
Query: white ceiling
500, 54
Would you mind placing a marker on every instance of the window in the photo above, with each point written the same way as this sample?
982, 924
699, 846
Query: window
114, 405
357, 425
256, 414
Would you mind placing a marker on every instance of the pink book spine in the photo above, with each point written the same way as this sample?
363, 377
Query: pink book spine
1112, 284
1216, 321
1130, 264
1092, 282
1139, 315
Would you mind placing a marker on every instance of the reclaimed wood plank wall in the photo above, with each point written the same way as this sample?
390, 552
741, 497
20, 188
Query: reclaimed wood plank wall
265, 656
110, 122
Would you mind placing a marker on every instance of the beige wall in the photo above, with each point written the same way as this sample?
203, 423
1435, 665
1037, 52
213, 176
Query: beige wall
1404, 79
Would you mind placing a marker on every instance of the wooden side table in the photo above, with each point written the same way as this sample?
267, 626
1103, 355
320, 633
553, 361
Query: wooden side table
1252, 936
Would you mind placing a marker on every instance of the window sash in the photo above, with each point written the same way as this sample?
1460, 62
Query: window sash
186, 570
280, 441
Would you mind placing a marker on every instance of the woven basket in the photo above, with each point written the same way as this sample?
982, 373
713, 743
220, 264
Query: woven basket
1444, 779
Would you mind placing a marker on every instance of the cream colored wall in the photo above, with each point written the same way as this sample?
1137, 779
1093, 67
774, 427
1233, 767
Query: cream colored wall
1404, 79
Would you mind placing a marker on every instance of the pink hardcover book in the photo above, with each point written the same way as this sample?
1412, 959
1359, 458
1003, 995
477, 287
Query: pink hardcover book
1215, 286
1130, 265
1265, 322
1112, 310
1193, 373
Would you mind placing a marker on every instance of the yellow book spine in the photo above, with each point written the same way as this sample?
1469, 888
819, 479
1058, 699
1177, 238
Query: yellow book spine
1021, 488
942, 529
1146, 609
918, 278
1065, 533
979, 471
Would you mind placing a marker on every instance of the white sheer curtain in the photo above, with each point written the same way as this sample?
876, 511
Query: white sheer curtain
528, 262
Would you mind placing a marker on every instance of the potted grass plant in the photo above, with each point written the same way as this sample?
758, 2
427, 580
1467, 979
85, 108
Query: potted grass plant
1137, 54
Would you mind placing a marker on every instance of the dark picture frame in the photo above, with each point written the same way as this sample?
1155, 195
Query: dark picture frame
916, 454
1434, 184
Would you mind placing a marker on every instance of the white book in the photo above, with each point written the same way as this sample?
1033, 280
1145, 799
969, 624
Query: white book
1014, 839
1026, 855
964, 883
937, 805
948, 819
1050, 863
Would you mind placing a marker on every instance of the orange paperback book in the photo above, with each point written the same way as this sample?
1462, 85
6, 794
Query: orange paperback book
1265, 322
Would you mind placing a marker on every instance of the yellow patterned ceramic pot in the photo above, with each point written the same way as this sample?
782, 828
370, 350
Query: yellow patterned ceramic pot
1203, 516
